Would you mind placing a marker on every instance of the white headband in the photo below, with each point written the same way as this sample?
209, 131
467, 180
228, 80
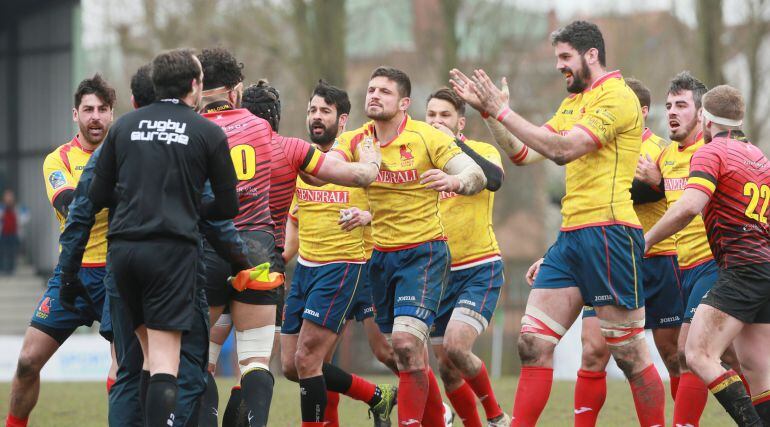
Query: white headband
221, 89
721, 120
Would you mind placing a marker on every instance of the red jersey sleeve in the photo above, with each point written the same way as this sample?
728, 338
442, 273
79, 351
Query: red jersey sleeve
302, 155
705, 169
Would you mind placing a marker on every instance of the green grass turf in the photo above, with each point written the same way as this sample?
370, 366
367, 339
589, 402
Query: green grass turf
85, 405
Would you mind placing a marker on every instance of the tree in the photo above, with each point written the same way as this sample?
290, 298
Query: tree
755, 31
320, 27
710, 29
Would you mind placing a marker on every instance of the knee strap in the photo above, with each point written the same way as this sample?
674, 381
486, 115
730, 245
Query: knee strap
411, 325
540, 325
618, 334
257, 342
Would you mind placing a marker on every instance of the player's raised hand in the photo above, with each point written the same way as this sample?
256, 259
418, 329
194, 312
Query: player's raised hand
353, 217
491, 97
369, 152
647, 171
532, 272
436, 179
461, 84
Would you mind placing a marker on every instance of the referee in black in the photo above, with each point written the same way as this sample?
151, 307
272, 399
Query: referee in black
153, 165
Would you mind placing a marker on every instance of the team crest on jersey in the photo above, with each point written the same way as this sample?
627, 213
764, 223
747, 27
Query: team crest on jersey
407, 158
57, 179
45, 308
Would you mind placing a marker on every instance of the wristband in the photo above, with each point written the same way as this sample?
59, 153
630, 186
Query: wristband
503, 112
484, 114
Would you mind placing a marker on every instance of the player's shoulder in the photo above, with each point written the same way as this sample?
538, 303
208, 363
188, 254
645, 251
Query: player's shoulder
653, 141
358, 132
481, 147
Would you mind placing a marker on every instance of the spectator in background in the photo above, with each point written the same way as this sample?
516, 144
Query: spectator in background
11, 219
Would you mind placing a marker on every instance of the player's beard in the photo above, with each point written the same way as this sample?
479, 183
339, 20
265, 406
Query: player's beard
328, 135
580, 78
85, 134
681, 133
382, 116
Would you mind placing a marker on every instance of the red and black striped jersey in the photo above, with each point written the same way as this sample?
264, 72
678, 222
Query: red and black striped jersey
290, 155
736, 176
248, 137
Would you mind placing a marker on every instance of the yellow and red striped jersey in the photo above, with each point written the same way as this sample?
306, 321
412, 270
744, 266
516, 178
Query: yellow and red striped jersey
692, 246
468, 219
598, 183
321, 240
61, 171
650, 213
405, 213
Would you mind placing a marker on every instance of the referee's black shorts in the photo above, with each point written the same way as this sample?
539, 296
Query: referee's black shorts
156, 280
743, 292
261, 249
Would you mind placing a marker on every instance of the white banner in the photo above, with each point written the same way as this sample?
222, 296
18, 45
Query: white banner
83, 357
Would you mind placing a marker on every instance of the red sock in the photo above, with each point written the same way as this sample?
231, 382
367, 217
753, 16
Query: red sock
12, 421
745, 383
463, 399
330, 414
590, 393
110, 382
313, 424
691, 398
434, 406
649, 397
674, 386
482, 387
531, 395
360, 389
412, 396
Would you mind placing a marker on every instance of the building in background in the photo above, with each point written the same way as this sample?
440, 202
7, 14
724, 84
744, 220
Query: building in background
39, 66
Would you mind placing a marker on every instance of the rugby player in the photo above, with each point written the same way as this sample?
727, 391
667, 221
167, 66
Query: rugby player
59, 311
156, 214
476, 275
662, 292
698, 269
596, 260
330, 283
410, 261
729, 184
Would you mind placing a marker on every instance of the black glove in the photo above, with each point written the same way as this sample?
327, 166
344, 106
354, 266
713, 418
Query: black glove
70, 289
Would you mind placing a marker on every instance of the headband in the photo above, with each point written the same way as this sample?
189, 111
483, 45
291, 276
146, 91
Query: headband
720, 120
221, 89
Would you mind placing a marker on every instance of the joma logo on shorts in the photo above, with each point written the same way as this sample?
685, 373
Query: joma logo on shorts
312, 313
407, 298
467, 302
603, 298
669, 319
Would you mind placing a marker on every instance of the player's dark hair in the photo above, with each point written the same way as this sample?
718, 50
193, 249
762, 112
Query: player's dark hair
263, 101
581, 35
448, 95
141, 86
725, 101
685, 81
172, 73
220, 68
96, 85
641, 91
394, 74
332, 95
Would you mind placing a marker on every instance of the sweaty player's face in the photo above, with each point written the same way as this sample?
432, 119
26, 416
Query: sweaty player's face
382, 99
322, 121
683, 116
94, 118
442, 112
573, 66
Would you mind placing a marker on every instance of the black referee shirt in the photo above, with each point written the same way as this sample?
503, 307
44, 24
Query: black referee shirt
157, 159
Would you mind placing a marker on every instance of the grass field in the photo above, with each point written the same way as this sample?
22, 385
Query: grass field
85, 405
